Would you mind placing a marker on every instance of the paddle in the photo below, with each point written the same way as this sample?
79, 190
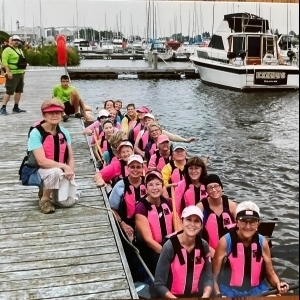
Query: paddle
275, 291
285, 251
175, 217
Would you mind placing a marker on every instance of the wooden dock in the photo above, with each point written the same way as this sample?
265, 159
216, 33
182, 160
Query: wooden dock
75, 253
141, 73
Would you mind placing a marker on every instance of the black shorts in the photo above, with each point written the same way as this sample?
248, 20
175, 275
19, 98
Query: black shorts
69, 109
14, 85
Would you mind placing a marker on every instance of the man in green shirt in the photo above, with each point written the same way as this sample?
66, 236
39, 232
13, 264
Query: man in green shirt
69, 96
14, 75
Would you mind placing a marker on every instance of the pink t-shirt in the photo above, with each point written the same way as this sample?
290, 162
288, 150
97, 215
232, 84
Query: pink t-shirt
112, 170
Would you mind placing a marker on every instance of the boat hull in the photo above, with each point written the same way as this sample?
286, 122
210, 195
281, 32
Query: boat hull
248, 77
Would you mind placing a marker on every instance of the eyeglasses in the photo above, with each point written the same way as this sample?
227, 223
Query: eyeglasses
252, 222
16, 40
154, 130
213, 187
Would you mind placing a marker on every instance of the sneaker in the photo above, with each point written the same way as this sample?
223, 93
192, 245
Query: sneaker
65, 118
3, 112
18, 110
46, 207
78, 115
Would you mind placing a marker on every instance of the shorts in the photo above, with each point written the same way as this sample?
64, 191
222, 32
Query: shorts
14, 85
255, 291
69, 109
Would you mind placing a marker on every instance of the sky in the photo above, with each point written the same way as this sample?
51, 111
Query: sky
131, 15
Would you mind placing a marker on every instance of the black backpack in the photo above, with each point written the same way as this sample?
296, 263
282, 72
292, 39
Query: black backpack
22, 62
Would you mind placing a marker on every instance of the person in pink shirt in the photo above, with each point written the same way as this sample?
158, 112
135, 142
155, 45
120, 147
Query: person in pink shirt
162, 155
104, 138
113, 115
117, 169
102, 116
191, 189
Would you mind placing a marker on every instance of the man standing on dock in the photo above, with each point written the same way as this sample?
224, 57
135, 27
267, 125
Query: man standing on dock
14, 71
69, 96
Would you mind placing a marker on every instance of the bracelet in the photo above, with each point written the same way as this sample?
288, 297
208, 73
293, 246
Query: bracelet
120, 221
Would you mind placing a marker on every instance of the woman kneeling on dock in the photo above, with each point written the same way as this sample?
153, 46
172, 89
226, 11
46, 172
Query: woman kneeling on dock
50, 152
184, 267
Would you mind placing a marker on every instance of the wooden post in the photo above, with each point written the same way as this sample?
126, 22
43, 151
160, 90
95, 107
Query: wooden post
155, 54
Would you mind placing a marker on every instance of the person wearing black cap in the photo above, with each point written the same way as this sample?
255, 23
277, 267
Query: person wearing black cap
248, 268
219, 212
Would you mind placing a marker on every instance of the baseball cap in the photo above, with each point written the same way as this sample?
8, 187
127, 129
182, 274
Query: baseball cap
103, 113
247, 214
148, 115
162, 138
52, 108
179, 147
16, 37
192, 210
135, 157
143, 109
125, 143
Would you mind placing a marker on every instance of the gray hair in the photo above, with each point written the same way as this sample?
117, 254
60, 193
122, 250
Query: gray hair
247, 205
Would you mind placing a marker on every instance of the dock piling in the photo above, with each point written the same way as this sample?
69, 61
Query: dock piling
155, 54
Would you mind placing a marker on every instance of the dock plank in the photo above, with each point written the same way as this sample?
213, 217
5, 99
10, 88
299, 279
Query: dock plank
76, 252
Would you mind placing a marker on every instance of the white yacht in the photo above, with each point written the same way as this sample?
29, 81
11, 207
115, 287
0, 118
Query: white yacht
82, 45
244, 55
106, 47
118, 45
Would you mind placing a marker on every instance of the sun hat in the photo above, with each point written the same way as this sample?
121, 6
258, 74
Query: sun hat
52, 108
179, 147
103, 113
148, 115
143, 109
135, 157
192, 210
16, 37
125, 143
212, 178
156, 173
162, 138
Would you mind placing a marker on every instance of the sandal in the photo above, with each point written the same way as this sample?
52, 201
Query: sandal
46, 206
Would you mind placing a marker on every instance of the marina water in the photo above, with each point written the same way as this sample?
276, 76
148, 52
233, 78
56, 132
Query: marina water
252, 138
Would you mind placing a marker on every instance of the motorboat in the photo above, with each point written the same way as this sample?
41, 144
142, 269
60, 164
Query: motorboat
118, 45
106, 47
164, 53
82, 45
243, 54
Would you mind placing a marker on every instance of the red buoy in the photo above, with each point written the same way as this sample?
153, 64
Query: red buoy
61, 50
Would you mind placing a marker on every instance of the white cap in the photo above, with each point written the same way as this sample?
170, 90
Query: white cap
179, 147
103, 113
148, 115
125, 143
16, 37
192, 210
135, 157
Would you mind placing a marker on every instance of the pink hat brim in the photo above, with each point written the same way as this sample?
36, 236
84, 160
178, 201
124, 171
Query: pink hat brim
53, 108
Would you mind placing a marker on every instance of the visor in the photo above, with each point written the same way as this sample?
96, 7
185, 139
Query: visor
53, 108
247, 214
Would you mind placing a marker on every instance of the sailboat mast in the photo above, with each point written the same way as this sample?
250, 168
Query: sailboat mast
78, 35
153, 18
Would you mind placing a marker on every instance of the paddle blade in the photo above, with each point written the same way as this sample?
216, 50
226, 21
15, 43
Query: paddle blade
266, 228
285, 251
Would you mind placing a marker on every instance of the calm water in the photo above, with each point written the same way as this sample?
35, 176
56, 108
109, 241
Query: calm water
252, 139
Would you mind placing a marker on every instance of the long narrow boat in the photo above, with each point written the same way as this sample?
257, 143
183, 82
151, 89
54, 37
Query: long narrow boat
145, 278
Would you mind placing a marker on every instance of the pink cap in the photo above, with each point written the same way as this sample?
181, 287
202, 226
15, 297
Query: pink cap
162, 138
52, 108
135, 157
125, 143
192, 210
154, 172
143, 109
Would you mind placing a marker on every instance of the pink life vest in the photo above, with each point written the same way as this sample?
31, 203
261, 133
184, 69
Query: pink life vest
236, 263
214, 227
160, 219
179, 266
55, 146
104, 144
160, 161
144, 139
192, 195
176, 174
131, 197
133, 133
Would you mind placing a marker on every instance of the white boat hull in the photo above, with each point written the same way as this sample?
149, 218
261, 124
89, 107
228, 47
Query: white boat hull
247, 77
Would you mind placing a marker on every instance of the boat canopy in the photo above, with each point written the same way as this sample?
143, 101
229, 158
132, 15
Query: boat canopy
246, 22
